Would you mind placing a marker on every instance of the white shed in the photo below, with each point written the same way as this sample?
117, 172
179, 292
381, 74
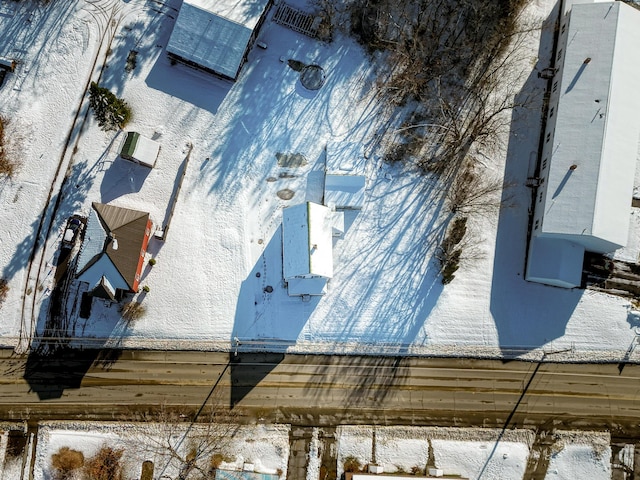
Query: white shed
216, 35
140, 149
345, 179
307, 248
590, 147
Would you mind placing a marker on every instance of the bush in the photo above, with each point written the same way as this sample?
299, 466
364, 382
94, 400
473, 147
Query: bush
152, 261
65, 461
133, 311
105, 465
110, 111
4, 289
450, 250
352, 464
218, 458
7, 167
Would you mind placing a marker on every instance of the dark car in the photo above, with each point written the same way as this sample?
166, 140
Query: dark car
74, 226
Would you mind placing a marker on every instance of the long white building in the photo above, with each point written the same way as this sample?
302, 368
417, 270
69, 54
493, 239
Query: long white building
590, 150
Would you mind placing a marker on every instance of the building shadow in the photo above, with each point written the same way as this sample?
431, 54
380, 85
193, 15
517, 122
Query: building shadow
248, 369
49, 372
527, 315
121, 178
201, 89
263, 306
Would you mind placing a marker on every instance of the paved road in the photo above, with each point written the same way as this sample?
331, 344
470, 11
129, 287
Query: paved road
324, 390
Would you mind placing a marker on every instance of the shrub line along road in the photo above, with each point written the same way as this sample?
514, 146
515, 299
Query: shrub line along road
324, 390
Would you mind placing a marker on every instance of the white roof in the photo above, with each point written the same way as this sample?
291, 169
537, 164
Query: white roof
215, 33
597, 125
345, 179
555, 261
307, 245
146, 151
307, 286
344, 191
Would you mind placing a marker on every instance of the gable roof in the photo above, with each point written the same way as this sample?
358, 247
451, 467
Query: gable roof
307, 241
124, 240
595, 143
215, 33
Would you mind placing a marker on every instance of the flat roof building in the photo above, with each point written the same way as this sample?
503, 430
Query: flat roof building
590, 147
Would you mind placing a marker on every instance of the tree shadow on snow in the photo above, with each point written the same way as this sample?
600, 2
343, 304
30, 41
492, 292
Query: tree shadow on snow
527, 315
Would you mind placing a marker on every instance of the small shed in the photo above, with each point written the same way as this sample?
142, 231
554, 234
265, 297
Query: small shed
139, 149
307, 248
345, 179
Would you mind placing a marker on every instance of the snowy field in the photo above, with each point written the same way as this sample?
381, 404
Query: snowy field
474, 453
469, 453
266, 447
205, 293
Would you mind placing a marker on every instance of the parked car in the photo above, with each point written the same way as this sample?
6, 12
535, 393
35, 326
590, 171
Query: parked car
74, 227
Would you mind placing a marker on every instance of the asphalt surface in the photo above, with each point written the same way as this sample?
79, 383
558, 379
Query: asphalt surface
323, 390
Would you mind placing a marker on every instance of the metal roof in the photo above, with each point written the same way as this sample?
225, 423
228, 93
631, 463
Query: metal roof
123, 242
307, 241
595, 142
215, 33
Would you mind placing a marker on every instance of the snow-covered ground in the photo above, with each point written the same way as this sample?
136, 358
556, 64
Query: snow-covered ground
473, 453
470, 453
266, 447
386, 295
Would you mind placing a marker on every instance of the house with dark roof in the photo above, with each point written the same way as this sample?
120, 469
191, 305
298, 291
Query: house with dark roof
113, 250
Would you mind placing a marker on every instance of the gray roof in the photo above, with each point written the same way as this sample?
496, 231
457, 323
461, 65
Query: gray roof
597, 125
215, 33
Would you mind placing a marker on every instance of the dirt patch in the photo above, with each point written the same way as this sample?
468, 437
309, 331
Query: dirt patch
291, 160
285, 194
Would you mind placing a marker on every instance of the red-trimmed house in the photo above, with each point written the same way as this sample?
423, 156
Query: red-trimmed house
113, 250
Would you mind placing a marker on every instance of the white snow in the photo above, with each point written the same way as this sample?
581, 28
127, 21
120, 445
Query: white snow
385, 295
474, 453
580, 458
266, 446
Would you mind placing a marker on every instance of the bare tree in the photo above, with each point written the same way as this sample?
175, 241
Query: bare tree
190, 445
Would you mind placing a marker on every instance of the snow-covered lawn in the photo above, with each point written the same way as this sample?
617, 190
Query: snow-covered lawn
473, 453
205, 292
264, 446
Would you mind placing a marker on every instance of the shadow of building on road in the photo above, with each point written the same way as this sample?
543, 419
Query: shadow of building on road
527, 315
51, 372
247, 370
